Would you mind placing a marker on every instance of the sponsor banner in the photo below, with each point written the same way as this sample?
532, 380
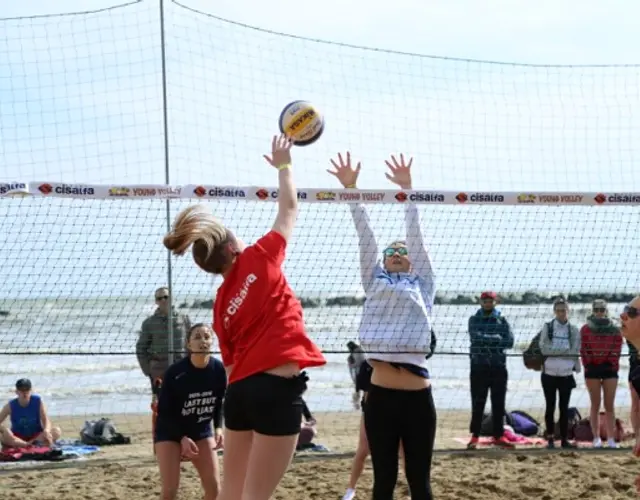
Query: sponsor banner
265, 194
617, 199
482, 198
221, 192
14, 188
67, 190
150, 191
334, 196
562, 199
419, 197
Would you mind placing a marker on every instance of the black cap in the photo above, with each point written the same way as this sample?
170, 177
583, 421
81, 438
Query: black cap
24, 384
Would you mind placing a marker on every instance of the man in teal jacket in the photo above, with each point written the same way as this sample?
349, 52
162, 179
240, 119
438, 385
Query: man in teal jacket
490, 335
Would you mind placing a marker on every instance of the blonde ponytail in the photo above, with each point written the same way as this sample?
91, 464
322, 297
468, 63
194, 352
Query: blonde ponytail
197, 226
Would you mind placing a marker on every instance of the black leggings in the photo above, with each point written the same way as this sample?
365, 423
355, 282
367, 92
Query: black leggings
563, 387
392, 417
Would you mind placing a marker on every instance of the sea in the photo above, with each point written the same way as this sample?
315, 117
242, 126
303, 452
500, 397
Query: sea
80, 354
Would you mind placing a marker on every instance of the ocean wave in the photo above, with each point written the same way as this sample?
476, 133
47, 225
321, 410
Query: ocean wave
37, 367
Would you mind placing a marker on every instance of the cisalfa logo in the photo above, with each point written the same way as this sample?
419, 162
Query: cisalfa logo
600, 198
45, 188
401, 196
262, 194
462, 197
200, 191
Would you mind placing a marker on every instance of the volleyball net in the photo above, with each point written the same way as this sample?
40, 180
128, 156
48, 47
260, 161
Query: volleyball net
524, 178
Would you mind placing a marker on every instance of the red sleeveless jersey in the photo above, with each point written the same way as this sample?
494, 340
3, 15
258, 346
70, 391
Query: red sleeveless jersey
256, 316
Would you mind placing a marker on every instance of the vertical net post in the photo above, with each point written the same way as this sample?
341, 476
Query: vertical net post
165, 125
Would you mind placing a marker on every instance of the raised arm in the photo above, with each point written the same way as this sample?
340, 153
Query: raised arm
420, 259
348, 177
366, 243
400, 174
287, 195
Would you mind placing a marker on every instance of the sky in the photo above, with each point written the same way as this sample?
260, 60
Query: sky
81, 102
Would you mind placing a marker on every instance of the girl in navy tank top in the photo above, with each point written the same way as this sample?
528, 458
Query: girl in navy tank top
190, 401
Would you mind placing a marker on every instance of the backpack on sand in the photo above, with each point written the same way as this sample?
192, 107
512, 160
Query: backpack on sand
101, 433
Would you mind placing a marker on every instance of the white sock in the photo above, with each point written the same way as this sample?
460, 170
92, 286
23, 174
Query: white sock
597, 443
350, 494
612, 443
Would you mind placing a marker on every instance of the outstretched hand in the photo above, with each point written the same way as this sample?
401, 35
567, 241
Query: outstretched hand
344, 172
400, 171
280, 151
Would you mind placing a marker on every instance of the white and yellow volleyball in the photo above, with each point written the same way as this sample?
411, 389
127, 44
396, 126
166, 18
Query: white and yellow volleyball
301, 122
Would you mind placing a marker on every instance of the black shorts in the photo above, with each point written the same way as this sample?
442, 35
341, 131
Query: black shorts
600, 372
165, 432
265, 403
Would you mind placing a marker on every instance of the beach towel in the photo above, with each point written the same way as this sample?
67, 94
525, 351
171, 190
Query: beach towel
34, 453
76, 450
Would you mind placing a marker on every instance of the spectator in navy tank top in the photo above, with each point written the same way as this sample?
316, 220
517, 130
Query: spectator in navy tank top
189, 401
30, 423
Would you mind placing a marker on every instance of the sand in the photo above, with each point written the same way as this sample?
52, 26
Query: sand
129, 472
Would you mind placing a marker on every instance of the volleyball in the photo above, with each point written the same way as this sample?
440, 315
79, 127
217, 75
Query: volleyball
301, 122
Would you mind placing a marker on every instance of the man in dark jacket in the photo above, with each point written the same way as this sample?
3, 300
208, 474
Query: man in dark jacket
152, 347
490, 336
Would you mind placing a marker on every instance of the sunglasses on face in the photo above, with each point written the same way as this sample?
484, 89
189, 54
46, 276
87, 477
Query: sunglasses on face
631, 311
599, 310
163, 297
390, 252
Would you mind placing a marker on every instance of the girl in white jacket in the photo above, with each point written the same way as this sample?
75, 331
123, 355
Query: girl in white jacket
560, 344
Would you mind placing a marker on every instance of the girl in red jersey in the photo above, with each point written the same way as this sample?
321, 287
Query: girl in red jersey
261, 334
630, 328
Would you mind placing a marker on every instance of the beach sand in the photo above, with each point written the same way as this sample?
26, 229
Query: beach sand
129, 472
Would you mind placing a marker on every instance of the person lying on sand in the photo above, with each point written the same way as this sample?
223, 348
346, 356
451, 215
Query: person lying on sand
29, 421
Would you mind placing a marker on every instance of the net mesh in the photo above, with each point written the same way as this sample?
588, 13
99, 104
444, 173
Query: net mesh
81, 103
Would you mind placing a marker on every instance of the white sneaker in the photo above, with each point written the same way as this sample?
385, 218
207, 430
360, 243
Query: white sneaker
597, 443
350, 494
611, 443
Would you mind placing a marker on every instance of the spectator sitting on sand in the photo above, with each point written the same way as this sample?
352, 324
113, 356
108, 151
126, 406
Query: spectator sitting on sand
29, 421
9, 440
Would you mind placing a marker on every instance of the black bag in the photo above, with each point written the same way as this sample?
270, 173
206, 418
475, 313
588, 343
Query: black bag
532, 357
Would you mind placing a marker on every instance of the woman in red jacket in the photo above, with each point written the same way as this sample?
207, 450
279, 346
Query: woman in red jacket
601, 344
